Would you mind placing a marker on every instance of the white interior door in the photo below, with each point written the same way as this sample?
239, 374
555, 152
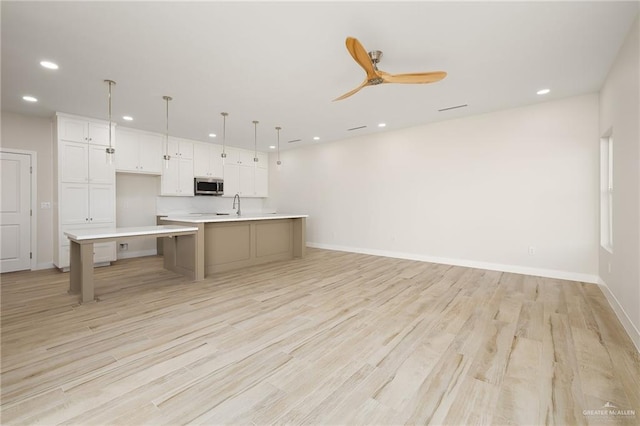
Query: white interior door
15, 212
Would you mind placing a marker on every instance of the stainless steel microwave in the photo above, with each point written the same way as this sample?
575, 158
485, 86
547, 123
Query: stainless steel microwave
208, 186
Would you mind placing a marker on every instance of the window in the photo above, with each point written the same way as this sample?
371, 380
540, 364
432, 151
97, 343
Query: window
606, 191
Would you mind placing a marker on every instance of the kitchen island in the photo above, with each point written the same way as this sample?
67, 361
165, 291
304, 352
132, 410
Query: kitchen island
227, 242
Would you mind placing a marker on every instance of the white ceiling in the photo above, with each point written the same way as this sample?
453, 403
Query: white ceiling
282, 63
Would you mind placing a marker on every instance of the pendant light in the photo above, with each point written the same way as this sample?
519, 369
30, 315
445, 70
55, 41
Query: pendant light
224, 134
279, 163
255, 141
110, 150
166, 157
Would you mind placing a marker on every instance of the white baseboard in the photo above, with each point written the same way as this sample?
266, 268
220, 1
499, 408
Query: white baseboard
624, 319
539, 272
139, 253
46, 265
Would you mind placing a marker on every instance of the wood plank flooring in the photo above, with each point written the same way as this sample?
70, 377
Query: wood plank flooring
335, 338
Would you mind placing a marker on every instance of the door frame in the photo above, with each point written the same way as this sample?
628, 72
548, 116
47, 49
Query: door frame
33, 156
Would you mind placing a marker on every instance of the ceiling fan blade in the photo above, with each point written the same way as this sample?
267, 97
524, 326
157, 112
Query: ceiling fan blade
413, 78
360, 55
357, 89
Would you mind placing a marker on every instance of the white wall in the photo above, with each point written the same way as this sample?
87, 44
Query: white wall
136, 206
620, 111
473, 191
35, 134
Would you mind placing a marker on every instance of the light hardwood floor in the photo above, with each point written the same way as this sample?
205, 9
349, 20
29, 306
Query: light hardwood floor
335, 338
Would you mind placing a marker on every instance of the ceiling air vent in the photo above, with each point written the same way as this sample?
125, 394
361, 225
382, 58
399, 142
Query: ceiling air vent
295, 140
356, 128
453, 107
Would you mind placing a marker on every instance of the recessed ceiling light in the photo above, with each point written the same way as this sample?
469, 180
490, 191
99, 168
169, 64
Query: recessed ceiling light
30, 98
49, 64
128, 118
212, 135
272, 147
543, 91
316, 138
382, 124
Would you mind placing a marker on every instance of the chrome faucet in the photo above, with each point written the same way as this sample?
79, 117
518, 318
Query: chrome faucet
234, 203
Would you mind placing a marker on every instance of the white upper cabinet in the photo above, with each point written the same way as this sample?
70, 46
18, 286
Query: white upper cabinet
100, 171
243, 175
151, 153
74, 164
84, 163
180, 148
78, 130
261, 182
207, 161
177, 179
139, 152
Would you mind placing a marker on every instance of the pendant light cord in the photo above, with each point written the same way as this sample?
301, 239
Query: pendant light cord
224, 133
110, 150
255, 141
278, 130
167, 157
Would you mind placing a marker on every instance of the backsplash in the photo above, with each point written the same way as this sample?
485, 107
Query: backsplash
205, 204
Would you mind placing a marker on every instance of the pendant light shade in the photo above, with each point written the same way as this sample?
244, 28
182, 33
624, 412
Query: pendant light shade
279, 163
166, 157
110, 150
224, 134
255, 141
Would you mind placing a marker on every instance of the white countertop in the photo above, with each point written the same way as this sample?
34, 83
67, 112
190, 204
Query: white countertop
210, 218
134, 231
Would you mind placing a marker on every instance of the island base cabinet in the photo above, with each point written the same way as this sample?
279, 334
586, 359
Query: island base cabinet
237, 245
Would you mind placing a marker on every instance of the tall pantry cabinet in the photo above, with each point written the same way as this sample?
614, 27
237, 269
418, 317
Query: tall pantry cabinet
84, 187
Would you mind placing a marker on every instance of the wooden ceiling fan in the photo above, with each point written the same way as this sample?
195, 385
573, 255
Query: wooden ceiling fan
369, 62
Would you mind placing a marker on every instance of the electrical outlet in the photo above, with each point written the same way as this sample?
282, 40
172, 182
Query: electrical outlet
45, 205
532, 250
124, 246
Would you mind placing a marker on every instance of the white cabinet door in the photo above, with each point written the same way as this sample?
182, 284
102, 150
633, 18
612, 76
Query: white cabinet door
247, 186
101, 204
73, 162
245, 157
261, 182
127, 151
99, 134
216, 161
185, 183
207, 161
179, 148
73, 130
177, 180
74, 203
170, 178
201, 160
104, 252
186, 149
100, 171
263, 160
231, 179
233, 156
150, 153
